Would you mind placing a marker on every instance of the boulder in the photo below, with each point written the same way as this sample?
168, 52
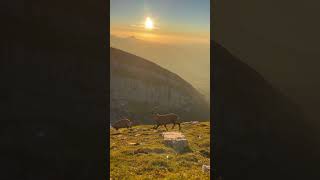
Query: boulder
176, 140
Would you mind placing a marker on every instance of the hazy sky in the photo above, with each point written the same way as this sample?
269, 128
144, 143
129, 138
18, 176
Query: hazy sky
174, 21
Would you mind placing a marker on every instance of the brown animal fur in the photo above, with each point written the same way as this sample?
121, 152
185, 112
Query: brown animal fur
122, 123
166, 119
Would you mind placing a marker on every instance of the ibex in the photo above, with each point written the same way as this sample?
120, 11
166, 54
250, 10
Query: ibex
122, 123
166, 119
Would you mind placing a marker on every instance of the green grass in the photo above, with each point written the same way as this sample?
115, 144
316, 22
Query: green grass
160, 162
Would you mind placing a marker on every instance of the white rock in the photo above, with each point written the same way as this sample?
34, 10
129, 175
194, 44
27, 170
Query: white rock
176, 140
205, 168
134, 143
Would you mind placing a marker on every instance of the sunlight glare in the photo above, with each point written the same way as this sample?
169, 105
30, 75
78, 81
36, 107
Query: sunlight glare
148, 23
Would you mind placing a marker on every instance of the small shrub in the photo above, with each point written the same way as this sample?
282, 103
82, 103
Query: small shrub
205, 153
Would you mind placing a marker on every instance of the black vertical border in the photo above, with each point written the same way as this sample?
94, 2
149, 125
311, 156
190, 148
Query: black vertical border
107, 148
33, 88
213, 163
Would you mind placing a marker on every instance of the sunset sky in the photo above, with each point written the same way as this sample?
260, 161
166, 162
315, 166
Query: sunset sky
175, 34
172, 21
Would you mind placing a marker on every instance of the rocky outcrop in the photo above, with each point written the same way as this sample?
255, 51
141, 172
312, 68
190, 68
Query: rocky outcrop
176, 140
123, 123
137, 86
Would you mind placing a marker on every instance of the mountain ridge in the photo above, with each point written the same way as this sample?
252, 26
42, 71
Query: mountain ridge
189, 61
137, 80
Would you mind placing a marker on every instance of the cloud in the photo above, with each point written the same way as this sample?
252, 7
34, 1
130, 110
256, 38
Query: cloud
141, 26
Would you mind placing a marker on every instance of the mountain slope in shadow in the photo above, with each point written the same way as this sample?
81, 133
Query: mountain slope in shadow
259, 133
280, 40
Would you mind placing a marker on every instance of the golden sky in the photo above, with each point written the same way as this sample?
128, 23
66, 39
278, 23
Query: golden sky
162, 21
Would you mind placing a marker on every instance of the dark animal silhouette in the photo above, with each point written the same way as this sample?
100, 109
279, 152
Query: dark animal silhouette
166, 119
122, 123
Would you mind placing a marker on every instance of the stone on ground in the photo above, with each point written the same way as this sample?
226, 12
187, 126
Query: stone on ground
134, 143
205, 168
176, 140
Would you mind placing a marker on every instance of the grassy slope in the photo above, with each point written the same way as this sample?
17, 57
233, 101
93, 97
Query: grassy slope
162, 162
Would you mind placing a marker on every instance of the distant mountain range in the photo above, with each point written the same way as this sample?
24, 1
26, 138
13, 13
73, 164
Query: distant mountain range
140, 87
189, 61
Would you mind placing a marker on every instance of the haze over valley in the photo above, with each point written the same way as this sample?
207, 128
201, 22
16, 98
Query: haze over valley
172, 35
190, 61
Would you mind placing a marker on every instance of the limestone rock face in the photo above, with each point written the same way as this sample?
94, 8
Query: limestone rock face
176, 140
138, 85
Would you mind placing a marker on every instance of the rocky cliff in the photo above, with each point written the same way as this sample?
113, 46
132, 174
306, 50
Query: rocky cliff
139, 87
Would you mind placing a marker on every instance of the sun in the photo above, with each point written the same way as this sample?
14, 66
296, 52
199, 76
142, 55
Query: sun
148, 23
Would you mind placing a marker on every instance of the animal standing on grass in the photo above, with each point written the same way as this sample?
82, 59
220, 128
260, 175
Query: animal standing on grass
165, 119
122, 123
